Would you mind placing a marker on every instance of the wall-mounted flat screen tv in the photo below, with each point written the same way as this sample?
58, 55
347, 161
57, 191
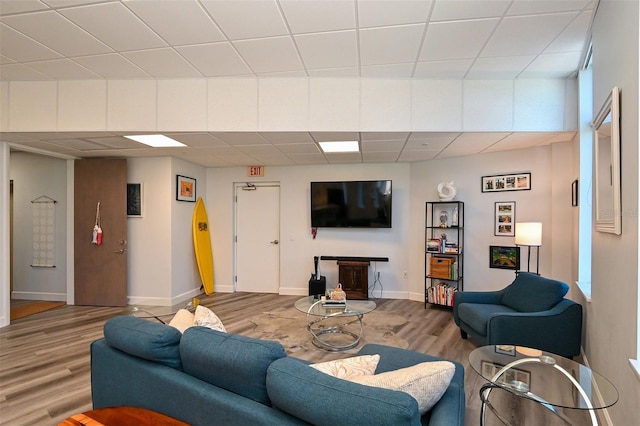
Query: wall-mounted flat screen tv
351, 204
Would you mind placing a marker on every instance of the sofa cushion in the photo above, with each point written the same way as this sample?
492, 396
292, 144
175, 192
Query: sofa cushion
145, 339
347, 368
476, 315
532, 293
321, 399
233, 362
426, 382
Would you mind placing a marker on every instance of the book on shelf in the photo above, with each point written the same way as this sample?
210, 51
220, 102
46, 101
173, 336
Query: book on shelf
441, 294
433, 245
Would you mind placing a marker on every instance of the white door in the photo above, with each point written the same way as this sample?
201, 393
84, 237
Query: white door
257, 238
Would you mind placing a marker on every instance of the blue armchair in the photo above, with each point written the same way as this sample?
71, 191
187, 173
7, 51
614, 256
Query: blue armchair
531, 311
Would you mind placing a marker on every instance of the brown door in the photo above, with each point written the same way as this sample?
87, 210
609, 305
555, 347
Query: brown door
100, 270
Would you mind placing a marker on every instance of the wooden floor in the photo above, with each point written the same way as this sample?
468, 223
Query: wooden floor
44, 358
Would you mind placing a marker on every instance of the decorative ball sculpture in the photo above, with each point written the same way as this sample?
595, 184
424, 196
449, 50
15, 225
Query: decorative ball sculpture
446, 191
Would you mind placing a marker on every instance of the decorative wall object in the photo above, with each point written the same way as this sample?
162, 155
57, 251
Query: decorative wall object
505, 219
574, 193
606, 151
504, 257
134, 200
185, 189
508, 182
44, 232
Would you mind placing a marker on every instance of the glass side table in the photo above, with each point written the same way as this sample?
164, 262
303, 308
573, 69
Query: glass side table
327, 321
550, 380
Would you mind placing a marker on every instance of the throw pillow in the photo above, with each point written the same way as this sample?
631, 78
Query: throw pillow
348, 368
206, 318
182, 320
426, 382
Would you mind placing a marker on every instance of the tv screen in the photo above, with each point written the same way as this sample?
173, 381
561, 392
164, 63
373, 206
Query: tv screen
351, 204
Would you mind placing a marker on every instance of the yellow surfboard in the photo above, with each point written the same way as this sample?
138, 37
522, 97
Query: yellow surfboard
202, 246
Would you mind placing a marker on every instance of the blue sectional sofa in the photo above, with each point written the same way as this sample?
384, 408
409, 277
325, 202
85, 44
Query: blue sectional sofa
206, 377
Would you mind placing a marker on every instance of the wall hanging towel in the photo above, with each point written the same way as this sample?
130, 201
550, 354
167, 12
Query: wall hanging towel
97, 230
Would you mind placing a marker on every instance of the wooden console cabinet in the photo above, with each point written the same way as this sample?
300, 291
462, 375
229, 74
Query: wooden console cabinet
354, 277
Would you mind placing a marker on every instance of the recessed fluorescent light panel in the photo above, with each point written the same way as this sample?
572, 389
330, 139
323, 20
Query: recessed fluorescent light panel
340, 146
156, 141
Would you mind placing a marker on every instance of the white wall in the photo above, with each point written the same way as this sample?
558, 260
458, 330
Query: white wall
297, 247
34, 176
612, 316
538, 204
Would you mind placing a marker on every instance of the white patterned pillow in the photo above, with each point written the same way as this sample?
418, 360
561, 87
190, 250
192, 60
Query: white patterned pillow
206, 318
426, 382
182, 320
348, 368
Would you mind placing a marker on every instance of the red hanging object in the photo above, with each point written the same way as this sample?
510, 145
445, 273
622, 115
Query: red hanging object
97, 231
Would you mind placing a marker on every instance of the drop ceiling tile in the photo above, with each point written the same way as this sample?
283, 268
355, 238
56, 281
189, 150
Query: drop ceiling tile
573, 37
412, 156
517, 140
553, 65
67, 3
521, 35
215, 59
505, 68
298, 148
450, 70
281, 138
240, 138
63, 69
283, 74
114, 25
468, 9
112, 65
335, 72
335, 136
389, 45
469, 143
57, 33
163, 63
388, 71
10, 7
270, 55
328, 50
189, 23
527, 7
197, 139
79, 144
456, 40
5, 60
20, 48
386, 13
382, 146
19, 72
117, 142
306, 159
380, 157
344, 157
318, 15
247, 19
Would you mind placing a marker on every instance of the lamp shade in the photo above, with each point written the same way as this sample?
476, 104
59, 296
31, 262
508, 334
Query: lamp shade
528, 233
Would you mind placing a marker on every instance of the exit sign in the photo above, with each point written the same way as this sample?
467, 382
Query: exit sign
255, 171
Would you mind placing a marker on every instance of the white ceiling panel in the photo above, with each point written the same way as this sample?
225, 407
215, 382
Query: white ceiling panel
197, 139
299, 148
266, 55
528, 7
281, 138
335, 72
455, 69
328, 50
508, 67
384, 13
58, 33
380, 157
470, 37
318, 15
382, 146
335, 136
241, 138
115, 25
390, 44
112, 65
5, 60
189, 23
10, 7
562, 65
468, 9
572, 38
247, 18
388, 71
20, 72
163, 63
18, 47
63, 69
521, 35
215, 60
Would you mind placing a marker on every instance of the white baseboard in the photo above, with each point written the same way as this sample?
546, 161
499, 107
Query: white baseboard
163, 301
32, 295
602, 413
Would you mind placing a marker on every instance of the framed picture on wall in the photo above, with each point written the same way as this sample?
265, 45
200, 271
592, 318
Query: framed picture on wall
504, 257
185, 189
505, 219
510, 182
134, 200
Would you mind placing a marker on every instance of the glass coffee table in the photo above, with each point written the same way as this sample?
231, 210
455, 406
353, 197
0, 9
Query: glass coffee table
550, 380
335, 327
160, 313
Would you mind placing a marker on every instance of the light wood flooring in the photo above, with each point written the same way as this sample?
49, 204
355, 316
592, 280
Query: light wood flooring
45, 370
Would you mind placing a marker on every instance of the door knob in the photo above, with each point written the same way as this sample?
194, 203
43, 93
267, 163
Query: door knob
276, 242
120, 251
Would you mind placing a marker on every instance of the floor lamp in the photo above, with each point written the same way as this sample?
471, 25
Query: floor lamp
529, 234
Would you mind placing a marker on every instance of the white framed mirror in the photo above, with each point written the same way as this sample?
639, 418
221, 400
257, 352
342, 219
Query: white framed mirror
606, 166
